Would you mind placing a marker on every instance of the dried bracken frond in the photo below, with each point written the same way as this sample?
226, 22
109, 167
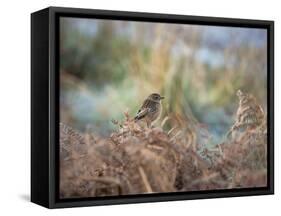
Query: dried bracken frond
249, 114
137, 159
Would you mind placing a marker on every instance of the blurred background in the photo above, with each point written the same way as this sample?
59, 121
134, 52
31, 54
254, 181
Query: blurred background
108, 67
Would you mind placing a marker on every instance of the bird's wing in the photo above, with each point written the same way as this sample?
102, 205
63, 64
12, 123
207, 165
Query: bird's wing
143, 110
141, 113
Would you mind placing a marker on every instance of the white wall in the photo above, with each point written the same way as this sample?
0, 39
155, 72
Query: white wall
15, 106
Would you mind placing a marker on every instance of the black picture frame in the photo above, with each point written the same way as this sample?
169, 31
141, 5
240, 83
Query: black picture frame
45, 106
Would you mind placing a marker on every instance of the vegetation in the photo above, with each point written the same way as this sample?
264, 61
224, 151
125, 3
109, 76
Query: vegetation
205, 139
111, 66
136, 160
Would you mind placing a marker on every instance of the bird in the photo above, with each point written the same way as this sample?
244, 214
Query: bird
150, 110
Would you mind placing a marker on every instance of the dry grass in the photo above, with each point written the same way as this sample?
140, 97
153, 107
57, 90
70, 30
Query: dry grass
136, 160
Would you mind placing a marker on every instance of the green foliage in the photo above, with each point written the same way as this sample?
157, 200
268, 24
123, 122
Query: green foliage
119, 63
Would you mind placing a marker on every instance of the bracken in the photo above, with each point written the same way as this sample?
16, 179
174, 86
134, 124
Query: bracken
137, 160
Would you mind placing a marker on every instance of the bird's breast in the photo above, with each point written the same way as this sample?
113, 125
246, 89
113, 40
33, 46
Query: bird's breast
156, 112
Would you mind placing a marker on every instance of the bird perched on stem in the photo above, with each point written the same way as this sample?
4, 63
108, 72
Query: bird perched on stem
150, 110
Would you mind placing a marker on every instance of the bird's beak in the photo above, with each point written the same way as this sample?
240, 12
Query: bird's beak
162, 97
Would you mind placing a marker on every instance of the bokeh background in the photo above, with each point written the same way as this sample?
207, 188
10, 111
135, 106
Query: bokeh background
108, 67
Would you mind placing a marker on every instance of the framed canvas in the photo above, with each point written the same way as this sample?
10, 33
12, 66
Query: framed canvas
138, 107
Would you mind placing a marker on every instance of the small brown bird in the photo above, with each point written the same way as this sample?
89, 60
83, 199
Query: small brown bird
150, 110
